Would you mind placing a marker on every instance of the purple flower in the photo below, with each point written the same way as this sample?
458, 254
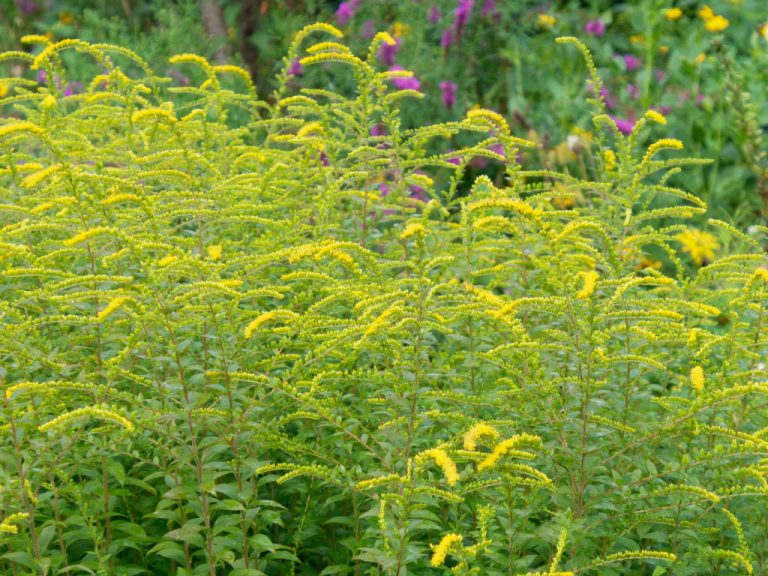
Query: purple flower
489, 9
378, 130
387, 52
411, 83
624, 126
609, 99
295, 69
633, 91
434, 15
26, 7
454, 160
324, 159
631, 62
498, 149
595, 27
42, 76
345, 11
666, 110
369, 29
447, 39
448, 90
461, 14
73, 88
661, 75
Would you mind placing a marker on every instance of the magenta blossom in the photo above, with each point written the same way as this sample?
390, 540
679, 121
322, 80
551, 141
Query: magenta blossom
73, 88
489, 9
434, 15
378, 130
609, 99
447, 39
633, 91
345, 11
387, 52
295, 69
462, 13
631, 62
411, 83
624, 126
595, 27
448, 90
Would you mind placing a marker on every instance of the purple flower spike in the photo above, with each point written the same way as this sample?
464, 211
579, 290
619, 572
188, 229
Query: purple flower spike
434, 15
631, 62
387, 52
73, 88
624, 126
295, 69
609, 99
595, 28
461, 14
411, 83
344, 12
378, 130
448, 90
489, 9
447, 39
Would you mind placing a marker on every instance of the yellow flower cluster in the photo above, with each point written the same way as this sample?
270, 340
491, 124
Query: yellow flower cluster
476, 432
713, 22
546, 20
697, 379
111, 307
700, 245
93, 411
656, 117
445, 463
590, 281
7, 527
673, 13
441, 550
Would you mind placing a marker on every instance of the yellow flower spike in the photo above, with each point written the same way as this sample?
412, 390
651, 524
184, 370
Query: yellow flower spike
697, 379
656, 117
34, 179
716, 24
478, 431
86, 235
214, 252
590, 281
413, 229
159, 113
673, 13
3, 89
167, 260
609, 156
444, 462
35, 39
49, 101
92, 411
112, 307
441, 550
267, 317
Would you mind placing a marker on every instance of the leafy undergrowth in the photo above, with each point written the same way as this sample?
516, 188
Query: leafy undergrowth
249, 339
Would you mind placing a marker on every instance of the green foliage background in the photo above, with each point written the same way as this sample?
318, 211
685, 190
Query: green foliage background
243, 335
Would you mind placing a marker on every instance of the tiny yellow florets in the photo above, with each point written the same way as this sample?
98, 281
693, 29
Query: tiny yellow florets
609, 156
590, 281
445, 463
441, 550
477, 431
546, 20
167, 260
111, 307
413, 229
673, 13
656, 117
214, 251
697, 379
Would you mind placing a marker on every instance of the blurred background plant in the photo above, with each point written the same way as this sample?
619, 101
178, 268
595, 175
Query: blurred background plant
702, 65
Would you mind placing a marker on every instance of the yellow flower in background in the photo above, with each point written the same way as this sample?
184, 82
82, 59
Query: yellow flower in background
663, 49
762, 30
716, 24
3, 89
66, 18
706, 13
546, 20
637, 39
700, 245
400, 29
673, 13
701, 58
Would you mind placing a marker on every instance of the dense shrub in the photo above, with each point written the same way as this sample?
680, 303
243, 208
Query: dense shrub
243, 338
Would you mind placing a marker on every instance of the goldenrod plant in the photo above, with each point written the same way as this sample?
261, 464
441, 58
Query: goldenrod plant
247, 337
